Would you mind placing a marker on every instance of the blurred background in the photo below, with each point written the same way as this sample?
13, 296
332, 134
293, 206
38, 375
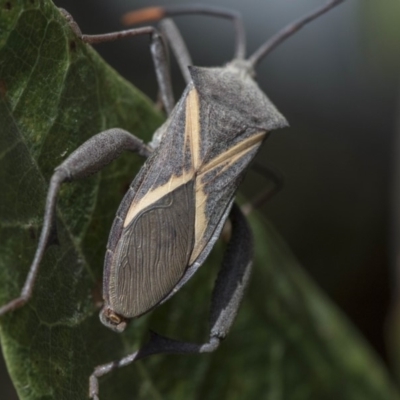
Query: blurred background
337, 83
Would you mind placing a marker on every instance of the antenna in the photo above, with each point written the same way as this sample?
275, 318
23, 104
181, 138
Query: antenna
288, 31
157, 13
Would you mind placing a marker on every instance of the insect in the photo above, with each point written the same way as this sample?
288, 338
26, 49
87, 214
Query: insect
177, 205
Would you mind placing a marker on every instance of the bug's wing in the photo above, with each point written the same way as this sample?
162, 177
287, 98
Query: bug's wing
152, 238
216, 184
235, 117
152, 253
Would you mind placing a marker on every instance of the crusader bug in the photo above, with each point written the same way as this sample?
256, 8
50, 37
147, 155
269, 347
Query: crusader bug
177, 205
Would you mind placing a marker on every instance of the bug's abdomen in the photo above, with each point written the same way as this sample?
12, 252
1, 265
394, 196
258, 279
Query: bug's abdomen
153, 253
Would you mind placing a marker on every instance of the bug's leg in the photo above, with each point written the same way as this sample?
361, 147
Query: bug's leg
274, 176
156, 48
157, 13
227, 295
86, 160
174, 38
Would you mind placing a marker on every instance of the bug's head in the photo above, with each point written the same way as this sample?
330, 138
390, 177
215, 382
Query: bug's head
243, 67
112, 320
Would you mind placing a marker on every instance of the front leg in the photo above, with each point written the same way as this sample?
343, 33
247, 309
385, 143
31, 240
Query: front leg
157, 49
228, 292
86, 160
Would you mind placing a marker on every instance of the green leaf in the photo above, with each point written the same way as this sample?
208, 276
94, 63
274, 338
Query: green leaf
288, 341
